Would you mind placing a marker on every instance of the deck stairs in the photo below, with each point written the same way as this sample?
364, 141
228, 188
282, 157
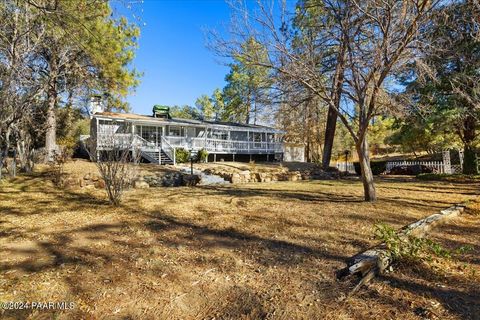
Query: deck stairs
156, 157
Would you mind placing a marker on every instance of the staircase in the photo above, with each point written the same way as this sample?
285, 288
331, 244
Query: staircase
152, 157
165, 159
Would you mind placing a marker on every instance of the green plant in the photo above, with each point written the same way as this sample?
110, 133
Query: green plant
407, 247
202, 155
182, 155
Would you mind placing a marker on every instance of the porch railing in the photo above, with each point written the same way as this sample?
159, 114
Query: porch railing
219, 145
168, 149
169, 143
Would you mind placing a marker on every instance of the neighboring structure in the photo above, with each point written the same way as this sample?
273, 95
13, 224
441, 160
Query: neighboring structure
157, 137
294, 152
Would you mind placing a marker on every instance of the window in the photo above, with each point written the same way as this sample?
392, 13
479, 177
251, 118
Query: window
175, 131
149, 133
220, 134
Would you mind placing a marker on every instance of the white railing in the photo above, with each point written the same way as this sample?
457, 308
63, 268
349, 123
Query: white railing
219, 145
144, 144
436, 165
117, 140
169, 143
168, 149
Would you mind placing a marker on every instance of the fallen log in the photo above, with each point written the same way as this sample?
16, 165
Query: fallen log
377, 259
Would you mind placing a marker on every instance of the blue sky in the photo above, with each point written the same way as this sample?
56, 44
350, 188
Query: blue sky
172, 54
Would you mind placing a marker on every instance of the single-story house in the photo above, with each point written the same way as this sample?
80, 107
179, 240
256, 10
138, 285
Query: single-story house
158, 136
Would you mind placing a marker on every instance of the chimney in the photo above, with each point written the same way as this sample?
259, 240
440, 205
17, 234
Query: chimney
96, 104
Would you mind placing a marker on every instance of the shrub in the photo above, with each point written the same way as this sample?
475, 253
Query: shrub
202, 155
117, 167
182, 155
410, 248
378, 167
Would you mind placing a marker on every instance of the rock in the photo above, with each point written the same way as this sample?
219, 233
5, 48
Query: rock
87, 176
139, 184
235, 178
100, 184
71, 182
191, 180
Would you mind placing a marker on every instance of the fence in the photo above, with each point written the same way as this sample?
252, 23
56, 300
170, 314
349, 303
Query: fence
438, 166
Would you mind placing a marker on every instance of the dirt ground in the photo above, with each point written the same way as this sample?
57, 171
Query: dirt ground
252, 251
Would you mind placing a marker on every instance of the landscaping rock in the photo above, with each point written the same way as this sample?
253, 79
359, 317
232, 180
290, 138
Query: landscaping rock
100, 184
140, 184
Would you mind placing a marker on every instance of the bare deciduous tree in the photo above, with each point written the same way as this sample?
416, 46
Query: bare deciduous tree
116, 162
347, 62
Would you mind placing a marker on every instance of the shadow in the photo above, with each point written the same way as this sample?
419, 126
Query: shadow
464, 303
144, 242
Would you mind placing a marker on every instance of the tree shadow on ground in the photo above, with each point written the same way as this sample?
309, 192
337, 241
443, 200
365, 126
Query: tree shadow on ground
426, 282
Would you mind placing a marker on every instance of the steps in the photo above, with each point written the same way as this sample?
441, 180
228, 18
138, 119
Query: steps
153, 157
165, 159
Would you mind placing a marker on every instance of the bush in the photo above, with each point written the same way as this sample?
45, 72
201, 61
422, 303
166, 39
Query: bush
410, 248
378, 167
202, 155
182, 155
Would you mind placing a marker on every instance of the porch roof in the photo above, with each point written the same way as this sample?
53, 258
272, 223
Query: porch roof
144, 119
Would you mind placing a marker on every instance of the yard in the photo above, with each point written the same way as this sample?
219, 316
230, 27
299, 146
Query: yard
259, 250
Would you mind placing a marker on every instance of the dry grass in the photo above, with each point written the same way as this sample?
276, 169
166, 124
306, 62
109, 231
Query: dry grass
252, 251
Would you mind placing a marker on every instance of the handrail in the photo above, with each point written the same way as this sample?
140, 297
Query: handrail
210, 144
172, 155
144, 142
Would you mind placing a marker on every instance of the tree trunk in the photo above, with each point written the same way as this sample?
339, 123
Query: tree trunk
50, 134
366, 171
329, 137
469, 161
377, 259
51, 123
332, 113
25, 154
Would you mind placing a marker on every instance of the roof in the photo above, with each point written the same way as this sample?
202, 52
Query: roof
180, 121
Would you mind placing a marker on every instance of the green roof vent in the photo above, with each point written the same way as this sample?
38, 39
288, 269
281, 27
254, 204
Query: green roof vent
160, 111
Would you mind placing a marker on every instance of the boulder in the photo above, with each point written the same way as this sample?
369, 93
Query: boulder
191, 180
100, 184
140, 184
235, 178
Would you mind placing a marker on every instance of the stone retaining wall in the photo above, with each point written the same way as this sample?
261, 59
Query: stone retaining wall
247, 176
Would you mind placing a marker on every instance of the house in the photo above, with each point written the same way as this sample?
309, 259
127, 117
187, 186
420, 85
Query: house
158, 136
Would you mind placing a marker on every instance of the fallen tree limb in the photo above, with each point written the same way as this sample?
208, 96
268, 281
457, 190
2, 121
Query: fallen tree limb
377, 259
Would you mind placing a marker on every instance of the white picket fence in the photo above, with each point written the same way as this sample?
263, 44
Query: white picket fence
438, 166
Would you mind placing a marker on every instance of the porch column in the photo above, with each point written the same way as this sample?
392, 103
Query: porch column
205, 139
